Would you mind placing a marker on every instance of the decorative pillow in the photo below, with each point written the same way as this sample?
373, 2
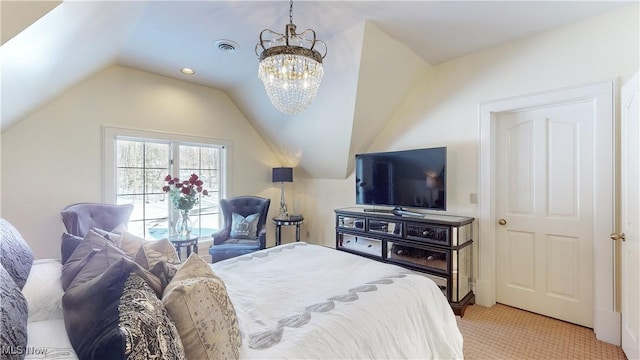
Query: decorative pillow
88, 247
115, 235
13, 317
68, 246
117, 316
15, 255
43, 290
198, 303
164, 272
99, 256
152, 252
244, 227
130, 243
145, 324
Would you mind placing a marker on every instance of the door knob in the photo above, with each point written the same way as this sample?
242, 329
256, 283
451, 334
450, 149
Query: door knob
502, 222
616, 236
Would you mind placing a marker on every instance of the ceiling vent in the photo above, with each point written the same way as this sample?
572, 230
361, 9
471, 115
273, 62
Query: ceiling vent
227, 46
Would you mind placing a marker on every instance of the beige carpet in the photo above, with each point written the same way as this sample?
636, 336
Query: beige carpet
503, 332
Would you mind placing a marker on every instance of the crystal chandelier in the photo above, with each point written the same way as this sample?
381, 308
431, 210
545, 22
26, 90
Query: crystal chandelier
290, 66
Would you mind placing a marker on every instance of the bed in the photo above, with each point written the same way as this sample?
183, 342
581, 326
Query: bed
307, 301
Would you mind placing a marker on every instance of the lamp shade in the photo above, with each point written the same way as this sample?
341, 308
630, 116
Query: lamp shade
282, 174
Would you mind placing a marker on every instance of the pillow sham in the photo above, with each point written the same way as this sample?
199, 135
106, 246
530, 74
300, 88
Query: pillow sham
99, 255
244, 227
117, 316
68, 246
152, 252
115, 235
198, 303
130, 243
43, 290
13, 317
15, 255
92, 244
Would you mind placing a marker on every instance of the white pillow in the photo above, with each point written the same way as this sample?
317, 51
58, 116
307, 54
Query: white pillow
43, 290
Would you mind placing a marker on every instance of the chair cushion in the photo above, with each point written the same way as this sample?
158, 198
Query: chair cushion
15, 255
244, 227
226, 251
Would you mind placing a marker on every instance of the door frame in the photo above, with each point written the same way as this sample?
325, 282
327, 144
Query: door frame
605, 318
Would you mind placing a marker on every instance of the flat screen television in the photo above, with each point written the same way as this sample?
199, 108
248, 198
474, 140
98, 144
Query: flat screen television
409, 178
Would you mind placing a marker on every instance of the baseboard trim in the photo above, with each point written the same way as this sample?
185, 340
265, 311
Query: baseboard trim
485, 294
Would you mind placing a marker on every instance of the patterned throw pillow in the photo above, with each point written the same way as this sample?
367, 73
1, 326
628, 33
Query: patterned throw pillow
244, 227
145, 325
15, 255
198, 303
118, 316
13, 318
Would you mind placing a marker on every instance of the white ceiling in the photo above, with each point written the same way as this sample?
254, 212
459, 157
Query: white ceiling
78, 39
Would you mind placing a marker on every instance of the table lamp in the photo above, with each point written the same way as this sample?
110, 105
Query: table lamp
282, 175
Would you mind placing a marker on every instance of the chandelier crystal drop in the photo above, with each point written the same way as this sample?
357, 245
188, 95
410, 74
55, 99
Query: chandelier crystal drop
290, 66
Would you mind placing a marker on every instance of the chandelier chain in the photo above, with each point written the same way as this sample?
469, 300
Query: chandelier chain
291, 12
290, 66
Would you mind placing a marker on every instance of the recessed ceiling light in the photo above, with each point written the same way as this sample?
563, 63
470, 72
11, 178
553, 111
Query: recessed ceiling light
227, 45
187, 71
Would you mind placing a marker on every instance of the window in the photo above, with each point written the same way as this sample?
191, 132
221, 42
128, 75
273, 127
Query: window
136, 164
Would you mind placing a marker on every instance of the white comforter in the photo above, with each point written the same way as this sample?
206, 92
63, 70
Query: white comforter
306, 301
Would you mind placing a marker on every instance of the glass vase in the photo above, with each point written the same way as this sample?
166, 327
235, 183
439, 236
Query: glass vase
184, 225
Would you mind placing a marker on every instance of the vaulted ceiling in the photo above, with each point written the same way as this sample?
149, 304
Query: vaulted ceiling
377, 50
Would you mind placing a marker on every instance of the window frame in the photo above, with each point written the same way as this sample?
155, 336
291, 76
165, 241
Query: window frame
111, 134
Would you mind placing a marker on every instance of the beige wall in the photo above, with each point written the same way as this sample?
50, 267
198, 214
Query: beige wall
54, 156
443, 108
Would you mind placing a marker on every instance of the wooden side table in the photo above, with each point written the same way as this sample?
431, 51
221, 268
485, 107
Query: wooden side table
292, 220
191, 243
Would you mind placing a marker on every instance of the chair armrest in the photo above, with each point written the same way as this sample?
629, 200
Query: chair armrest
262, 239
220, 236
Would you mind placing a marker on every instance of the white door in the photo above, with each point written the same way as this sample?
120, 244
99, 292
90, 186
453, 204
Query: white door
630, 219
544, 203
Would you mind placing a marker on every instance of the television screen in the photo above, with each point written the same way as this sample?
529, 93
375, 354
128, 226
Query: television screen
411, 178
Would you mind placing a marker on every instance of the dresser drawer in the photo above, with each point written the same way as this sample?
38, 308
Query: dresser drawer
360, 244
433, 259
392, 228
348, 222
434, 234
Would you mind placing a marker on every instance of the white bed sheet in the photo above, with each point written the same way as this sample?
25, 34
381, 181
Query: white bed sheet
336, 305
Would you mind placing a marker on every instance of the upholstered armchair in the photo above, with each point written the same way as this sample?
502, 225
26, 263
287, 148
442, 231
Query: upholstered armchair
79, 218
244, 231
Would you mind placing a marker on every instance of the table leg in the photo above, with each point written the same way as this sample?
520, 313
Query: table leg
189, 250
297, 232
195, 247
278, 230
178, 251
